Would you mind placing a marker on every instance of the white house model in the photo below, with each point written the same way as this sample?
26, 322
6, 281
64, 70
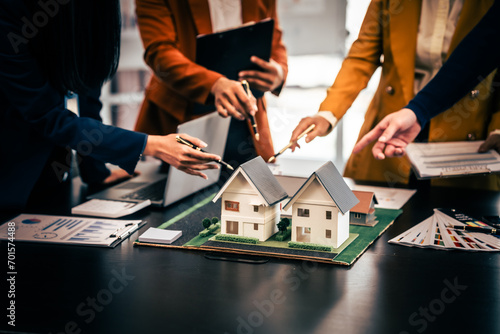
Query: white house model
320, 208
250, 203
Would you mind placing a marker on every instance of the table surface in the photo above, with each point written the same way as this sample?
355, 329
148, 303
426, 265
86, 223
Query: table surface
389, 289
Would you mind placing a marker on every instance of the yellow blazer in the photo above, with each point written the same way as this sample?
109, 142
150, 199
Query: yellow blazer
168, 30
388, 38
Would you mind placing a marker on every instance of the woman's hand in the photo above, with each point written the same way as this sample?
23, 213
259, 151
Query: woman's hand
322, 126
232, 100
181, 156
268, 79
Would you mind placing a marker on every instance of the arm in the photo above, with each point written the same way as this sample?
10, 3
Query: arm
357, 68
180, 73
474, 58
35, 105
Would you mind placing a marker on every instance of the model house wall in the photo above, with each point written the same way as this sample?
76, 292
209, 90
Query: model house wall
320, 208
250, 201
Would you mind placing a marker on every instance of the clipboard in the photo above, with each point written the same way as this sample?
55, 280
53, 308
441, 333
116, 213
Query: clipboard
228, 52
68, 230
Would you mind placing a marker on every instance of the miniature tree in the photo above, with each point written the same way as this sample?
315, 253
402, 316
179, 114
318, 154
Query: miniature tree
215, 220
283, 224
206, 222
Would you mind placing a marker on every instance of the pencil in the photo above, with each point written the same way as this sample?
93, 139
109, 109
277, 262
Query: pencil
246, 87
309, 129
188, 143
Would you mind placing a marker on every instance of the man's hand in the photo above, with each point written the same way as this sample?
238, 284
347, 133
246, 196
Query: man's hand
268, 79
232, 100
394, 132
321, 128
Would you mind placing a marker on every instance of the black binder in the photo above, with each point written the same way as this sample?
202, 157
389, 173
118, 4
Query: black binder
228, 52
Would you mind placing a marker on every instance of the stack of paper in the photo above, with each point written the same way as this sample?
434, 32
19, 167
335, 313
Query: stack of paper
438, 232
160, 236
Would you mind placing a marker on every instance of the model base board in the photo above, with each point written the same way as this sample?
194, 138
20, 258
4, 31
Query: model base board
189, 222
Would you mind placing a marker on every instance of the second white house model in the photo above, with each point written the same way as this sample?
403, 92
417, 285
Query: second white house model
320, 208
251, 199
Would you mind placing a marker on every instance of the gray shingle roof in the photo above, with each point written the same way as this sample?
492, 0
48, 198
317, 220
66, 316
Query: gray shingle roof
336, 187
264, 180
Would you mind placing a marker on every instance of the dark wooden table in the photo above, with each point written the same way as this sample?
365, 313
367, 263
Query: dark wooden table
390, 289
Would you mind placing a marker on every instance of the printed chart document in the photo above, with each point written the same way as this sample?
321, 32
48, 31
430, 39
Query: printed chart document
68, 230
431, 160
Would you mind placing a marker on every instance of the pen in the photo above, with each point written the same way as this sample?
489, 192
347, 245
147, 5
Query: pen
477, 229
246, 87
188, 143
309, 129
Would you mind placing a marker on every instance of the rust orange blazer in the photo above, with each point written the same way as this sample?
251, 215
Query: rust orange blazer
168, 30
388, 38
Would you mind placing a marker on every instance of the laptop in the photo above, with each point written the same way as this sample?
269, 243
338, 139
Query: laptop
163, 189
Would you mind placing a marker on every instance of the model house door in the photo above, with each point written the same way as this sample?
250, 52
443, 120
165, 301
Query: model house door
231, 227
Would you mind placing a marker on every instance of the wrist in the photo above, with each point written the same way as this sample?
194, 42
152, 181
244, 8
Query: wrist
151, 146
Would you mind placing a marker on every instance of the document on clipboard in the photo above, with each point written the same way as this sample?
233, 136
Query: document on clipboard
228, 52
451, 159
68, 230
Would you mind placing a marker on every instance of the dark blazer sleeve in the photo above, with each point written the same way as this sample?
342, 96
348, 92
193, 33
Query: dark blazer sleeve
30, 100
474, 58
91, 170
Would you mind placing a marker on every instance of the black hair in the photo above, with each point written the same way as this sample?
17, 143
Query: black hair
79, 47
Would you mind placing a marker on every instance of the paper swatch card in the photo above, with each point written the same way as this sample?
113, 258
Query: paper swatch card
439, 232
160, 236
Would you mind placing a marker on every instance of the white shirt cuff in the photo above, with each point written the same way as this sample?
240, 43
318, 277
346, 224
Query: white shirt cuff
330, 118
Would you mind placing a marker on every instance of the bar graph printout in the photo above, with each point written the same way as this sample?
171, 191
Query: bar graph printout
431, 160
68, 230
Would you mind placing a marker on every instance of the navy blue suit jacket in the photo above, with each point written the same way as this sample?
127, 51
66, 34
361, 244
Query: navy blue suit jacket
33, 120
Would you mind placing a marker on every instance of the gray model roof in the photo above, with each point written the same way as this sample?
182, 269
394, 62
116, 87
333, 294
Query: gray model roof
264, 180
335, 186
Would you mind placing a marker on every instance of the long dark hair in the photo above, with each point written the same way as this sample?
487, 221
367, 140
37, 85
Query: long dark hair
79, 47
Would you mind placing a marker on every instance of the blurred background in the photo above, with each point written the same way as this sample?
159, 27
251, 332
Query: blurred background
317, 34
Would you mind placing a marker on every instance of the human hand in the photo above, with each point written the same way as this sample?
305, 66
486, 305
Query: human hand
268, 79
394, 132
181, 156
232, 100
321, 129
491, 143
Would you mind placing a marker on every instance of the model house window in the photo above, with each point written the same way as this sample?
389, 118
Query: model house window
303, 212
328, 234
232, 227
357, 215
256, 227
328, 215
307, 230
232, 206
255, 208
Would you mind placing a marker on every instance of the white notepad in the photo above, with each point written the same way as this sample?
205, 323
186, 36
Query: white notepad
160, 236
108, 208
